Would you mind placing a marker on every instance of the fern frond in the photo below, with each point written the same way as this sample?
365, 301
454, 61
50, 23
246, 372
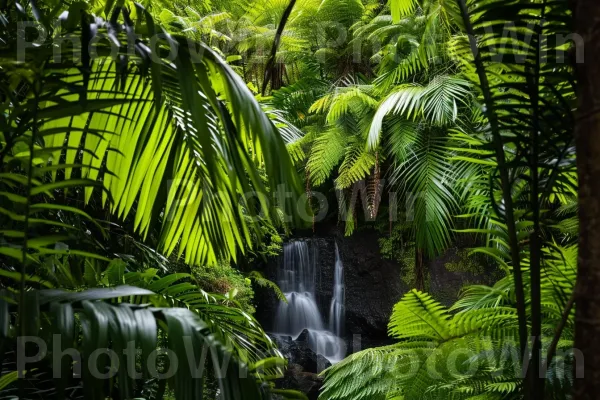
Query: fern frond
366, 375
418, 315
327, 152
264, 282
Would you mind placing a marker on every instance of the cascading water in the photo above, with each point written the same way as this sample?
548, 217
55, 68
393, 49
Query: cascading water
336, 310
296, 278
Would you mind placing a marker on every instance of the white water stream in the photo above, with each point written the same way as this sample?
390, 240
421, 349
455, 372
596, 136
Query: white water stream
297, 278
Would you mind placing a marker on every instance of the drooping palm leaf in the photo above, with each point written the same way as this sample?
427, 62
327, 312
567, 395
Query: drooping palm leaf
199, 121
102, 325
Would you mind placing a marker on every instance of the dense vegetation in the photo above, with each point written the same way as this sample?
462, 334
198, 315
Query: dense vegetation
154, 153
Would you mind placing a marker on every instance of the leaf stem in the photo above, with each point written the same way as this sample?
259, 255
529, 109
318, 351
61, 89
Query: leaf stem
504, 178
558, 332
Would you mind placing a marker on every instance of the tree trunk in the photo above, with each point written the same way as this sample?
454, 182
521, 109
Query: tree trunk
420, 263
587, 136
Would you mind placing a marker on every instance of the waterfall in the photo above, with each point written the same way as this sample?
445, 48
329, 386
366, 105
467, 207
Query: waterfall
336, 309
297, 278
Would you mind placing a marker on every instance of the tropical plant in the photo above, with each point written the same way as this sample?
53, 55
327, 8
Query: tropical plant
470, 350
101, 325
386, 132
116, 91
419, 142
535, 98
81, 127
514, 157
142, 144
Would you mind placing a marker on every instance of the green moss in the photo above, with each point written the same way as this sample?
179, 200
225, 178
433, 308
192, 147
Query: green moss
223, 279
393, 248
465, 262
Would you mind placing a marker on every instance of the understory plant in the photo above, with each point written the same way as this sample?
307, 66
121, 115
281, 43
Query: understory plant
509, 164
94, 130
467, 351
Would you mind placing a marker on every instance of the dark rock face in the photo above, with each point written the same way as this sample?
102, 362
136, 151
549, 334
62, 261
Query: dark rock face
297, 352
373, 285
306, 382
304, 365
446, 285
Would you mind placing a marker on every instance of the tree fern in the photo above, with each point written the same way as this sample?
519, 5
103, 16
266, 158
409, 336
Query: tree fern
419, 316
364, 375
326, 153
480, 332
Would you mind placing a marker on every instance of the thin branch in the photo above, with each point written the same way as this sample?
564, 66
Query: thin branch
270, 67
504, 177
536, 385
558, 332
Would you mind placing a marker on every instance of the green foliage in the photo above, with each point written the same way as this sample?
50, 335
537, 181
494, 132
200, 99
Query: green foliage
226, 314
463, 262
428, 99
429, 333
345, 12
167, 148
463, 352
227, 281
102, 147
101, 324
422, 152
261, 281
